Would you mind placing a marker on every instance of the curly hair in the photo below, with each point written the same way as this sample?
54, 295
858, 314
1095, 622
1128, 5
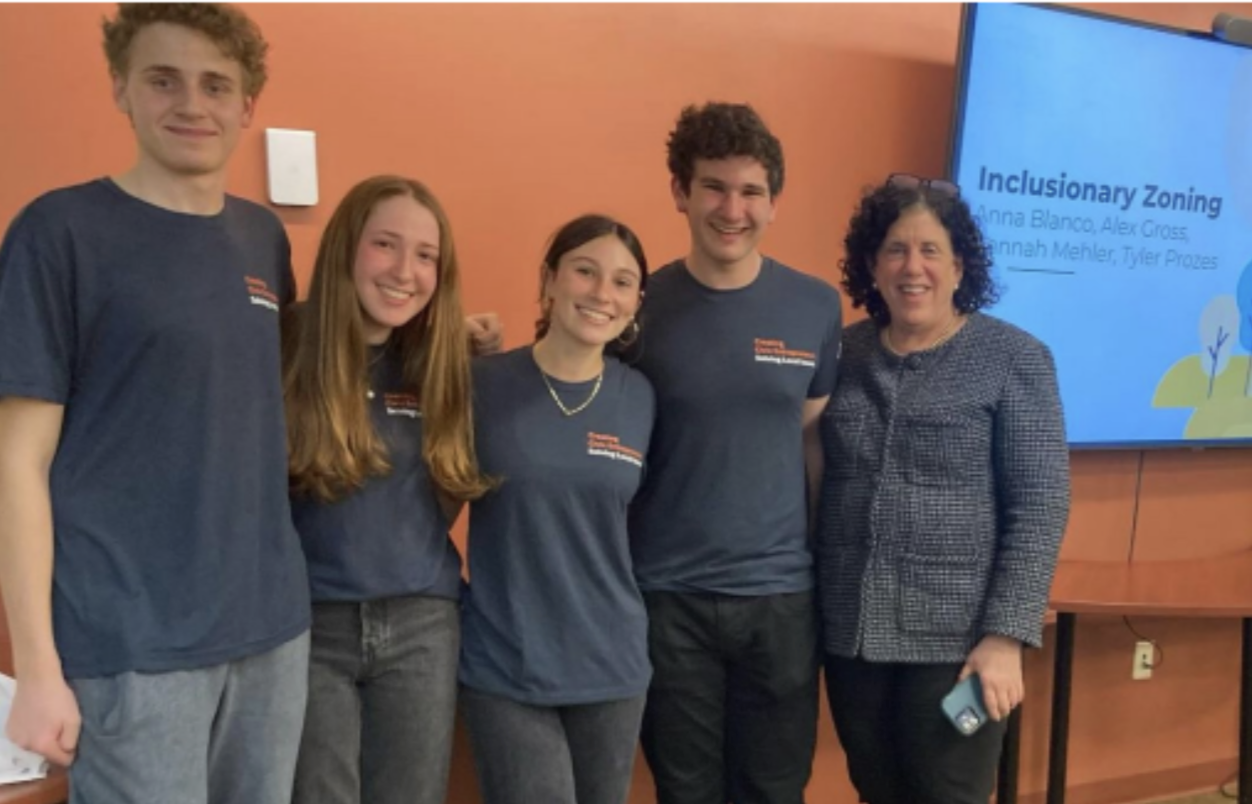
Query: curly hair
231, 30
722, 131
879, 209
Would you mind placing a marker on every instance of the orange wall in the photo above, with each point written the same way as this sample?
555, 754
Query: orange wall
520, 117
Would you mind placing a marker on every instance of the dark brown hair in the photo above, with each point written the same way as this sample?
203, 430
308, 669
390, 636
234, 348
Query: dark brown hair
579, 232
722, 131
878, 211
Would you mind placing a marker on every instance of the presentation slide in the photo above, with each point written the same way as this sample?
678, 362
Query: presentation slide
1111, 168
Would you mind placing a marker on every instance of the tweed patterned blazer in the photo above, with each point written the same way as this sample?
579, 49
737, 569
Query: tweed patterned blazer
945, 494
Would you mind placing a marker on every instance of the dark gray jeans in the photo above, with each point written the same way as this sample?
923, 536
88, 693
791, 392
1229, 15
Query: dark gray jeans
582, 754
382, 702
225, 734
732, 712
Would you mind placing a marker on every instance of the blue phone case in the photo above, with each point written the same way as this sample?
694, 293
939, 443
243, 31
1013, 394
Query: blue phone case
964, 707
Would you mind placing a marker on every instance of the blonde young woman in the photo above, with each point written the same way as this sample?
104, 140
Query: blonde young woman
376, 376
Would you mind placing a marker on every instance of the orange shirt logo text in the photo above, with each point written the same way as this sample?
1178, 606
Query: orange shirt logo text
610, 446
774, 350
402, 405
260, 294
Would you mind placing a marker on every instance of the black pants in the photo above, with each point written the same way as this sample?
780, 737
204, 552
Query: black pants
901, 748
732, 711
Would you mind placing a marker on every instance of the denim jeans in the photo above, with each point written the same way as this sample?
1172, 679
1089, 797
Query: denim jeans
225, 734
901, 748
583, 754
732, 711
382, 702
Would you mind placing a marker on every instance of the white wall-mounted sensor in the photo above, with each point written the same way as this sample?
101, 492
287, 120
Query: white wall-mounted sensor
291, 160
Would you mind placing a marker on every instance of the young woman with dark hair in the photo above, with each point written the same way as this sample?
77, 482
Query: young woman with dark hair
554, 667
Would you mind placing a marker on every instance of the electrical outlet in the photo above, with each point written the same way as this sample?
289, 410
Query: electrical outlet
1145, 655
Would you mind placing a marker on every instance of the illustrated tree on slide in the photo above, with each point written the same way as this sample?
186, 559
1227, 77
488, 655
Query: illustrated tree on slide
1215, 381
1243, 297
1218, 324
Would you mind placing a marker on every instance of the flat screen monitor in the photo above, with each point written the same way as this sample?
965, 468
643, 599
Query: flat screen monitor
1110, 165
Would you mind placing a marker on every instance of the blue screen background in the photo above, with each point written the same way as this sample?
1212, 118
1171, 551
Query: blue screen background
1115, 104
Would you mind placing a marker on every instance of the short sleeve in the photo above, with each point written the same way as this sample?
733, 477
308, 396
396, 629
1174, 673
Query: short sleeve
824, 378
37, 321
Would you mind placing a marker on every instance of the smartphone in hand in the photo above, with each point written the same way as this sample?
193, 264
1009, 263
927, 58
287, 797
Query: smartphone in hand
963, 706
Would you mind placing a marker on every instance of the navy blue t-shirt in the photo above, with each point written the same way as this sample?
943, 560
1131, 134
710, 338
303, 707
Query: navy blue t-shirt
723, 508
390, 537
553, 616
158, 332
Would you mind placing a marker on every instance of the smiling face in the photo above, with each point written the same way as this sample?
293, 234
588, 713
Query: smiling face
396, 270
185, 100
917, 273
728, 209
593, 292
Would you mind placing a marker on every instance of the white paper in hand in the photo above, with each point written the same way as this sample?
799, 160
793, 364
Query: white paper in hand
16, 764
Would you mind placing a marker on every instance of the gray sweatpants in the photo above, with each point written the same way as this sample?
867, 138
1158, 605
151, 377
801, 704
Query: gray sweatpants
226, 734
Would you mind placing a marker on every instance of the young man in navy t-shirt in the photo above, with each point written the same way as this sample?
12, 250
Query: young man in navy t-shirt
155, 588
742, 352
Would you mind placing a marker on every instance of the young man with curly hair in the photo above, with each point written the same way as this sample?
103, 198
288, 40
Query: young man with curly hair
155, 587
742, 352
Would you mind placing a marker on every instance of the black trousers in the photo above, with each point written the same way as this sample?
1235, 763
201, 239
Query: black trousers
732, 711
901, 748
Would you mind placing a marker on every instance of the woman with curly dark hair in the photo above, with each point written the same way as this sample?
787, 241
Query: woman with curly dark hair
944, 499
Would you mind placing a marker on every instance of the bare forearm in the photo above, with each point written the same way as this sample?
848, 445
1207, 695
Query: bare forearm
45, 716
29, 433
26, 572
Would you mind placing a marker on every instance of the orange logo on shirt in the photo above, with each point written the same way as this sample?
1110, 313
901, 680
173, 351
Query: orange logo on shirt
260, 293
774, 350
402, 405
610, 446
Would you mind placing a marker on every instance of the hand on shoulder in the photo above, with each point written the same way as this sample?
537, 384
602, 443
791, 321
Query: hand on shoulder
485, 332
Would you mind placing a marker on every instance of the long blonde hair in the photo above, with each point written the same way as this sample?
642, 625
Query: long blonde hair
332, 445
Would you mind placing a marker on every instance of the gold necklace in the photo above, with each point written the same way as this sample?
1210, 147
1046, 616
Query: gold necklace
561, 405
943, 338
